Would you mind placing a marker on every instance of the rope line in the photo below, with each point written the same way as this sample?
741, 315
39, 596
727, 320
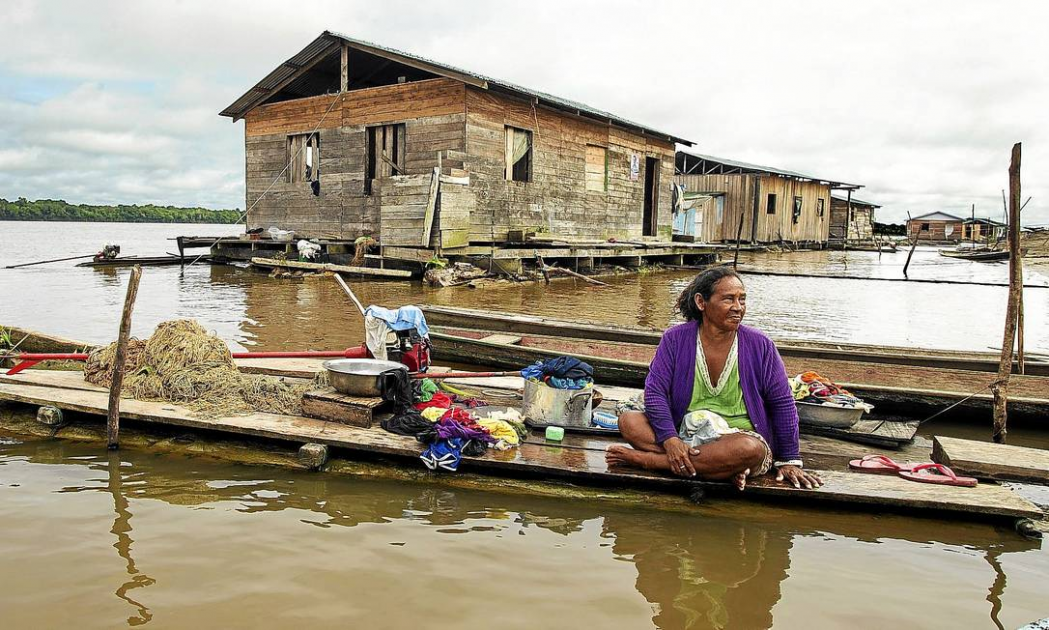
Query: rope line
280, 174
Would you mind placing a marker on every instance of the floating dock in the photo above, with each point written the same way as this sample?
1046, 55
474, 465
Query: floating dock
579, 459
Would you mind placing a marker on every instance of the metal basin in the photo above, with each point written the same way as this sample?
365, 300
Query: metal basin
360, 377
826, 416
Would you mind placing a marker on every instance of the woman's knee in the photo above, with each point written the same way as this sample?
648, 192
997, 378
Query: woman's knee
751, 450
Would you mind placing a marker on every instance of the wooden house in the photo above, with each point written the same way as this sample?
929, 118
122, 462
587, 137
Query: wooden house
983, 230
757, 204
348, 139
851, 219
935, 227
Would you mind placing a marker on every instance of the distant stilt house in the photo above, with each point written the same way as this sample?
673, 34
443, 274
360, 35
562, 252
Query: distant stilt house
347, 139
983, 230
757, 204
850, 220
935, 227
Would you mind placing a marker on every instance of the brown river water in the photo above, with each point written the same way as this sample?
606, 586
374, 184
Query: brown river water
100, 541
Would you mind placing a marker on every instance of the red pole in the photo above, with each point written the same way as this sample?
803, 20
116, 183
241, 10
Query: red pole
29, 359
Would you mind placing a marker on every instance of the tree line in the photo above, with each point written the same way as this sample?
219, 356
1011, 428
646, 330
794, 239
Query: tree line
58, 210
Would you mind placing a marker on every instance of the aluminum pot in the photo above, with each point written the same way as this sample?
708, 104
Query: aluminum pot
361, 377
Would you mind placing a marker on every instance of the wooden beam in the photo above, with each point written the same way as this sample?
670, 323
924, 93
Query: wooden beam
344, 75
431, 206
1000, 386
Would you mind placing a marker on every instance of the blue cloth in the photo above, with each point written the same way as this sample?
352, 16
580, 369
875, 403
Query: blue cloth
444, 454
561, 372
404, 318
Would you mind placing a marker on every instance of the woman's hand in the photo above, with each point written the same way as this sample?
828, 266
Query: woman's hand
798, 477
679, 455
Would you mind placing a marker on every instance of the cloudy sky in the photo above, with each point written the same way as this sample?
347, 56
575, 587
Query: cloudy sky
117, 102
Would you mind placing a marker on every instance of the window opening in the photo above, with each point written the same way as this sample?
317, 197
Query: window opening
304, 157
819, 207
385, 153
596, 168
770, 204
518, 154
797, 210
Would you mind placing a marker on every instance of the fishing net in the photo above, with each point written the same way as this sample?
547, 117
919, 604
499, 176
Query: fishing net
182, 363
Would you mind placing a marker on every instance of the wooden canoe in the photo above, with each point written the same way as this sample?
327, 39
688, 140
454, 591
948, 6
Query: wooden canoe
145, 261
500, 322
906, 391
979, 256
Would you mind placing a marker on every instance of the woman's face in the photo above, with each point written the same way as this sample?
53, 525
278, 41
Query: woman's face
727, 305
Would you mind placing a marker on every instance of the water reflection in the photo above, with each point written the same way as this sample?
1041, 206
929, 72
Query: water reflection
122, 530
724, 566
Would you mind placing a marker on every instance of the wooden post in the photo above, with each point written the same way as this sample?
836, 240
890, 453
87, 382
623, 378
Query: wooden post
914, 244
1000, 386
113, 415
739, 235
181, 251
344, 69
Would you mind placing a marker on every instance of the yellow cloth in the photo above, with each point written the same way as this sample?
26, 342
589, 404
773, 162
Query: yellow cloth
433, 414
501, 430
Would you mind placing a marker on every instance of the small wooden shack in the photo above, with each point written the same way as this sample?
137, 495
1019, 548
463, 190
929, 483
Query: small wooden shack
935, 227
851, 219
348, 139
760, 204
983, 230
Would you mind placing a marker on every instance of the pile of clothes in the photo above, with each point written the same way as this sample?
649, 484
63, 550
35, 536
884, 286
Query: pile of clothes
810, 387
449, 426
561, 373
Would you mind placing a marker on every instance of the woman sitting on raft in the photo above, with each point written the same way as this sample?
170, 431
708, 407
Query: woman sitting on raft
717, 403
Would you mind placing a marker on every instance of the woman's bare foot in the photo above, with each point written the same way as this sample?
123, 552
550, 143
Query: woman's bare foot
740, 480
618, 455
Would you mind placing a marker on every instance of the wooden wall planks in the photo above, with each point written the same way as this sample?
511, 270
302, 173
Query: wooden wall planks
467, 127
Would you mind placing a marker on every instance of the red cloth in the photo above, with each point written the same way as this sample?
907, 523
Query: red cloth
439, 399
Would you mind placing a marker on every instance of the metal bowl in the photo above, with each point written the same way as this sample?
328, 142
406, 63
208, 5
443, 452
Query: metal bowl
360, 377
827, 416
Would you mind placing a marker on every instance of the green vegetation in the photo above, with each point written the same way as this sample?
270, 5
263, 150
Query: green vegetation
890, 229
56, 210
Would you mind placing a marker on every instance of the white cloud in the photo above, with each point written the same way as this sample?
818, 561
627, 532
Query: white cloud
921, 102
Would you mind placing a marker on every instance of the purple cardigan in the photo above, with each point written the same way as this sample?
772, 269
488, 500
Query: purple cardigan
766, 391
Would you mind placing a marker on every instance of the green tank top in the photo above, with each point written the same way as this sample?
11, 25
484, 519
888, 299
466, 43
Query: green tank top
726, 397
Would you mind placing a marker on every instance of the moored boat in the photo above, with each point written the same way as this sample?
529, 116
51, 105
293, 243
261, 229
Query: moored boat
499, 322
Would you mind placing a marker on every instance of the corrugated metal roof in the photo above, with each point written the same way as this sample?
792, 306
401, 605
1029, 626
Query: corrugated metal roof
768, 170
937, 216
328, 39
854, 200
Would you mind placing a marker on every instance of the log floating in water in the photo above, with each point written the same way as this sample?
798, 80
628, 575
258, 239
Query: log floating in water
273, 263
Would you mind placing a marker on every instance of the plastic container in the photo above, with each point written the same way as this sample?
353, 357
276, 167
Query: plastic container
559, 407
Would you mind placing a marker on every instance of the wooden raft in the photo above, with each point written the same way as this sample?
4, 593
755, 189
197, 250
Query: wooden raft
581, 463
988, 460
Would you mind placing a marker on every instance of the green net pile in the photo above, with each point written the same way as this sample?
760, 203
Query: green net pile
182, 363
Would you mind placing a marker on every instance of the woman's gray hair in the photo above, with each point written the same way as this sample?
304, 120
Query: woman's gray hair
703, 284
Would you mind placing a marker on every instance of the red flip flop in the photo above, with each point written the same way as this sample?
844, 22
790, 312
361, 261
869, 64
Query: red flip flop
879, 464
938, 474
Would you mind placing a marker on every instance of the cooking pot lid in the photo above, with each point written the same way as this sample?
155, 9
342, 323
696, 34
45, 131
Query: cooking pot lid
364, 367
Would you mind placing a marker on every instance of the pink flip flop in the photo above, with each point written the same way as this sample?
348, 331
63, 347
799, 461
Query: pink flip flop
879, 464
938, 474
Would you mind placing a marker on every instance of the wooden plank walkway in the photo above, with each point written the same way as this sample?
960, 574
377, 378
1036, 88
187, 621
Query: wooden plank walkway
987, 460
578, 461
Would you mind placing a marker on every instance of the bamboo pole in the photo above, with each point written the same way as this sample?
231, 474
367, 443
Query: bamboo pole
1000, 386
349, 292
42, 262
113, 413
